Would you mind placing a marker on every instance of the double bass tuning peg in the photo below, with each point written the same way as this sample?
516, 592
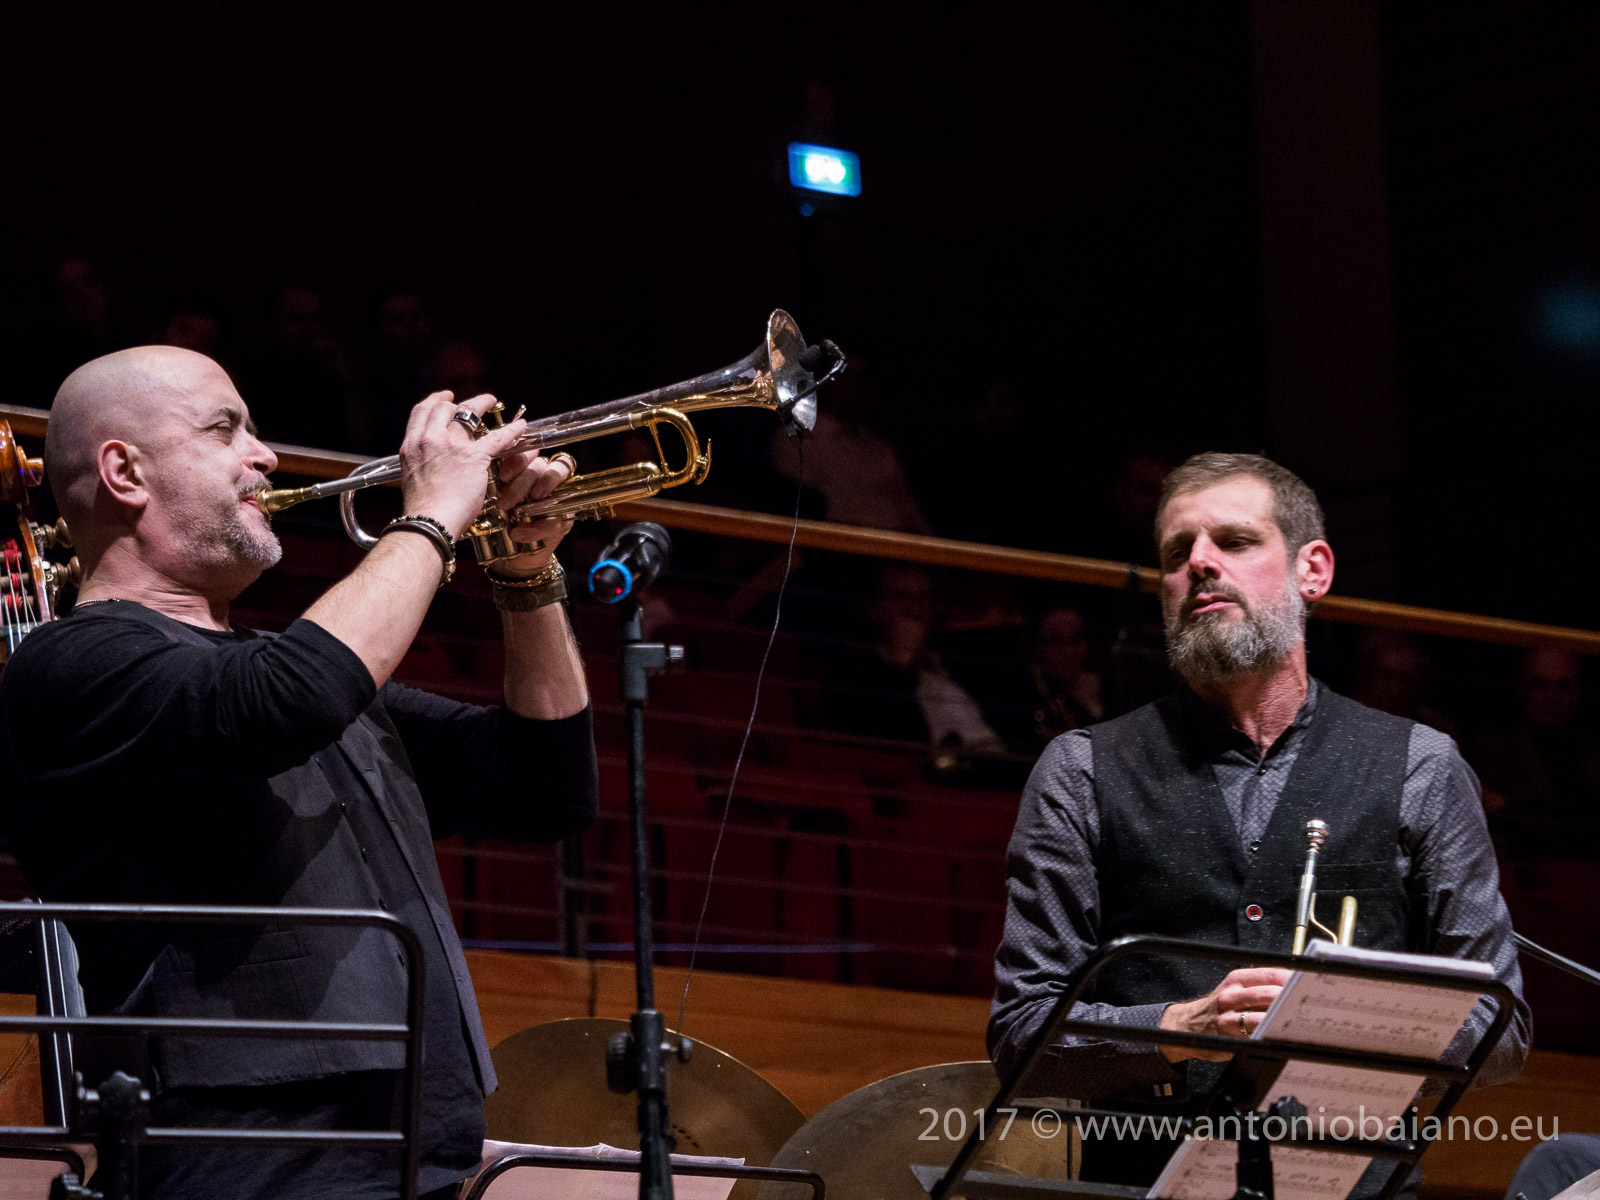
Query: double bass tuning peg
50, 536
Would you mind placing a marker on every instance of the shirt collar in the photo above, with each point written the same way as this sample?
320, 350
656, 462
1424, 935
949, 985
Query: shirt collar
1213, 735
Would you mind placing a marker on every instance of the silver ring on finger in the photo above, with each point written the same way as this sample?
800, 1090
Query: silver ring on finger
471, 421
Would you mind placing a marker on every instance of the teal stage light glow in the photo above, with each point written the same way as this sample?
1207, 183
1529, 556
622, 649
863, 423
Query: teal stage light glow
824, 169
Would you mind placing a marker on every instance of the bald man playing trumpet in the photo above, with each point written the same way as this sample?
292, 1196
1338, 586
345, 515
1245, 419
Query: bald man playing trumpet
163, 755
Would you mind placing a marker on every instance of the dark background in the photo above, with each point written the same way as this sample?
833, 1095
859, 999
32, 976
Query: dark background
1113, 208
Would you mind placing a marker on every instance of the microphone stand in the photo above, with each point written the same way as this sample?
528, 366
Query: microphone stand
637, 1060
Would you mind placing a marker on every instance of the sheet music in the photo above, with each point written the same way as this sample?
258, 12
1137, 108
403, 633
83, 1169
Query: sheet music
561, 1183
1352, 1014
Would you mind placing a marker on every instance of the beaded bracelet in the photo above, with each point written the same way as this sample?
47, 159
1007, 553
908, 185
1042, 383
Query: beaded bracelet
435, 532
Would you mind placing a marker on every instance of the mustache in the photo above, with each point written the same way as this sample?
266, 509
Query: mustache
255, 489
1217, 591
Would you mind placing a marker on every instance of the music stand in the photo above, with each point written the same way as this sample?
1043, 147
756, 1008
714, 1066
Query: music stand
1255, 1164
512, 1161
120, 1105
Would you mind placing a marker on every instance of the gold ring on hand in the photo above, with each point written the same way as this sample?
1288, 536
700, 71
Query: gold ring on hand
1244, 1029
564, 457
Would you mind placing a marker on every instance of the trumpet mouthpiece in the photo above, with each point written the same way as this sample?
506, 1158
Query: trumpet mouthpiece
1316, 834
275, 500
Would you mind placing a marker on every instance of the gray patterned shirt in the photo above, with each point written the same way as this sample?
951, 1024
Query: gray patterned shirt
1442, 850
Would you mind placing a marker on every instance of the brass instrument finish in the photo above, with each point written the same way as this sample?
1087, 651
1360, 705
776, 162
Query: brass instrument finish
553, 1093
864, 1144
782, 374
1305, 918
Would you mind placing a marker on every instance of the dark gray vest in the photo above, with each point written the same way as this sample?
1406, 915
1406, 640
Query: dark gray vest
1171, 860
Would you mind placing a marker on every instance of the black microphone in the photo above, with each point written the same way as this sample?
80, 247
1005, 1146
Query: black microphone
818, 358
631, 563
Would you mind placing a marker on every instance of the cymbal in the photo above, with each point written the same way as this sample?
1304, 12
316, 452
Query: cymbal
553, 1093
864, 1144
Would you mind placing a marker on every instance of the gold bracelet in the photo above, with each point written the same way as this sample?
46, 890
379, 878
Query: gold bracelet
549, 586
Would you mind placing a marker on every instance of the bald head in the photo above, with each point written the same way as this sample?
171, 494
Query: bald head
136, 396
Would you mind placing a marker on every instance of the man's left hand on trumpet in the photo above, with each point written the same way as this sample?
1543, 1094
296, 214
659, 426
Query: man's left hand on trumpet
524, 476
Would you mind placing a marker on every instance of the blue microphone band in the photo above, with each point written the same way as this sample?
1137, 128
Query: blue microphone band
622, 569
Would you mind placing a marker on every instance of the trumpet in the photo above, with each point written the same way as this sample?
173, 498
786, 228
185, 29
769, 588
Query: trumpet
1306, 903
782, 374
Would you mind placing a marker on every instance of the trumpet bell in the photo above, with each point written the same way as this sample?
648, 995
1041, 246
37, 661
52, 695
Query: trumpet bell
794, 379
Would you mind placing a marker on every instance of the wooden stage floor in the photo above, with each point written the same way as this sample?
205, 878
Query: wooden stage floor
816, 1042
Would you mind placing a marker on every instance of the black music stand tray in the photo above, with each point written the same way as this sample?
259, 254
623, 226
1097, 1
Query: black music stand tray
508, 1162
122, 1127
1255, 1162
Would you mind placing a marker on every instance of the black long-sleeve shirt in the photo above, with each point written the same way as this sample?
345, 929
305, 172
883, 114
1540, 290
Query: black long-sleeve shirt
145, 753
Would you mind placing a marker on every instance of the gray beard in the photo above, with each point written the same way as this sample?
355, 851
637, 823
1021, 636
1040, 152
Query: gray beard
259, 548
224, 540
1207, 649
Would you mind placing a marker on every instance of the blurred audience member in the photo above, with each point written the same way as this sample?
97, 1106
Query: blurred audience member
396, 350
1068, 691
983, 644
79, 325
859, 474
1392, 674
457, 366
1122, 526
1135, 668
193, 328
300, 375
1021, 477
1543, 773
897, 688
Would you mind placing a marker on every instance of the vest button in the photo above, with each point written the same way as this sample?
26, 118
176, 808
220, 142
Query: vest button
1255, 845
1253, 912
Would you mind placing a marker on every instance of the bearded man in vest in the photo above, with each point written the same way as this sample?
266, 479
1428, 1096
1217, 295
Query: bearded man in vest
1186, 818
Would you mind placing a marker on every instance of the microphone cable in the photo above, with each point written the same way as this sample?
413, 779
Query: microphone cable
755, 705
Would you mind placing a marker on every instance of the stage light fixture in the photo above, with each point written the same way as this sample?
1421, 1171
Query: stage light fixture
824, 169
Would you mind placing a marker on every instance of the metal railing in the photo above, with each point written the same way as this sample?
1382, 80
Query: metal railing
948, 552
404, 1140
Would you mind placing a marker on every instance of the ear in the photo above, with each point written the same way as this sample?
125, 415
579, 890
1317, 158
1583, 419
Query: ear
121, 471
1314, 569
